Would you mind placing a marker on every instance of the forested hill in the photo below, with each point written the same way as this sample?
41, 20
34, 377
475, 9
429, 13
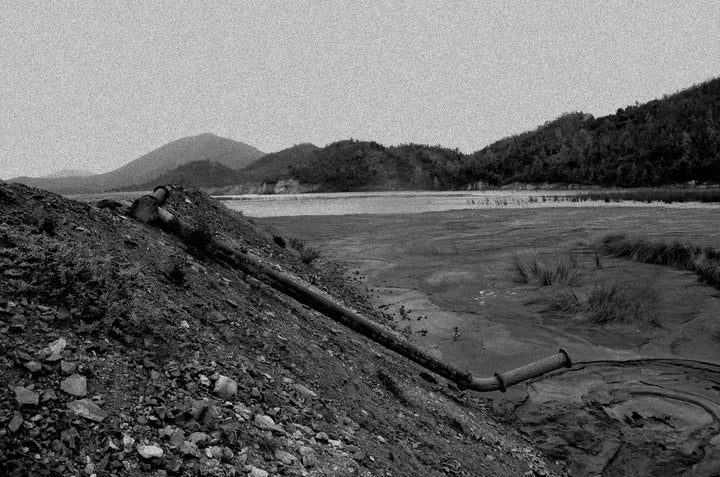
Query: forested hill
668, 141
672, 140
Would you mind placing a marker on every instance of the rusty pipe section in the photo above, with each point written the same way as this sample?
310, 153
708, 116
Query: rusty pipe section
145, 208
325, 304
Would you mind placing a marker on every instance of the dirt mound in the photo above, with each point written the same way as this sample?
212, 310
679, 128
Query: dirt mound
125, 351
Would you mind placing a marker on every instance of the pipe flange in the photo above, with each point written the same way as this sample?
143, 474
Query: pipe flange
568, 360
501, 382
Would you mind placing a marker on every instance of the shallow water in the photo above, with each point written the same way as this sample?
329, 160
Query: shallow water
411, 202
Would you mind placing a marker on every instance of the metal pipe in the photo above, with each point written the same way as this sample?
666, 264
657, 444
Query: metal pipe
145, 208
325, 304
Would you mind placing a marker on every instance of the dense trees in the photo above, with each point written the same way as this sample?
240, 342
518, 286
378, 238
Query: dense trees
672, 140
665, 141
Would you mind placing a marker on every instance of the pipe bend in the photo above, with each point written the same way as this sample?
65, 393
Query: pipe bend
501, 381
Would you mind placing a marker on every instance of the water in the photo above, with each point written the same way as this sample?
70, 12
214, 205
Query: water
410, 202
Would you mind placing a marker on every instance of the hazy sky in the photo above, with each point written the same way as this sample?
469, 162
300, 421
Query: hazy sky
93, 85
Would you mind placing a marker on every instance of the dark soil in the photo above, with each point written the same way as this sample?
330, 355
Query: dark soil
116, 339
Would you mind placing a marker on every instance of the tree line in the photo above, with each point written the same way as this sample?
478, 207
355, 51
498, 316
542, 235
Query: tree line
667, 141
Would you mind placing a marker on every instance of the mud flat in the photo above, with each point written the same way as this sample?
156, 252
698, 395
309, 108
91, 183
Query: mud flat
643, 398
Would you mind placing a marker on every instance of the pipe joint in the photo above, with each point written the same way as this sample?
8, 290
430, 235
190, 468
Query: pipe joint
501, 382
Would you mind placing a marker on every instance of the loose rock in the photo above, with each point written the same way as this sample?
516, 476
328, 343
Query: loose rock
15, 422
150, 452
266, 423
26, 397
284, 457
225, 387
75, 385
256, 472
88, 409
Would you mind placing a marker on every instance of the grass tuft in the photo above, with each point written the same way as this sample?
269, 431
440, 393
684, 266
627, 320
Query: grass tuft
529, 270
606, 303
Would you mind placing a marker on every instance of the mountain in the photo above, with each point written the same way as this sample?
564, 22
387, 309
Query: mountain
69, 173
273, 166
196, 174
232, 154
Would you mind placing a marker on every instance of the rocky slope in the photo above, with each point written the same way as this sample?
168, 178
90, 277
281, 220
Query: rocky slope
125, 351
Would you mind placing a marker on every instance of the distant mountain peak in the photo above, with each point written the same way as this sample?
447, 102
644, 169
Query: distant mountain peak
206, 146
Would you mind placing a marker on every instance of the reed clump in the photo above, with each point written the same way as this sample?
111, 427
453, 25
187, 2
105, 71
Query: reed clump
703, 261
647, 195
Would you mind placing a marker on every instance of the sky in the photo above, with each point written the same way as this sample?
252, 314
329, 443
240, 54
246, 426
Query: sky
95, 85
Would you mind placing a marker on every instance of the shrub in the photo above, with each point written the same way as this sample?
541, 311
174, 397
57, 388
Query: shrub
48, 226
199, 239
307, 254
176, 273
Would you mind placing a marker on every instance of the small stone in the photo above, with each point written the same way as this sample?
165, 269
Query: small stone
321, 437
15, 422
284, 457
214, 452
381, 439
227, 454
33, 366
189, 449
128, 442
266, 423
335, 443
173, 465
177, 438
48, 395
256, 472
75, 385
88, 409
199, 438
225, 387
25, 397
309, 459
150, 452
255, 392
184, 325
305, 391
142, 420
52, 352
68, 367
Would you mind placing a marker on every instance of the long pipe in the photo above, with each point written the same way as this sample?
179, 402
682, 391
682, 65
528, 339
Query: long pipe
147, 207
